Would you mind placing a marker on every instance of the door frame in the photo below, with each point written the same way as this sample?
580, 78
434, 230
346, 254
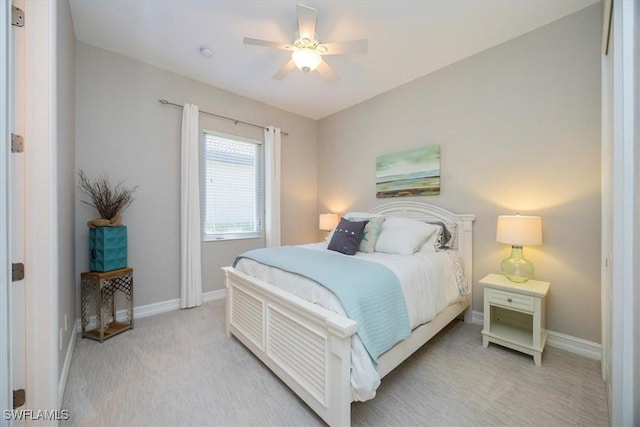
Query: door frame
41, 258
625, 324
606, 172
6, 394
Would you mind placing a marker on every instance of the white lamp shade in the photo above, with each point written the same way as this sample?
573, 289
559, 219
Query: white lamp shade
306, 59
328, 221
519, 230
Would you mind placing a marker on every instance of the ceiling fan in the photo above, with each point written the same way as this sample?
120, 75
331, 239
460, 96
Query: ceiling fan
307, 51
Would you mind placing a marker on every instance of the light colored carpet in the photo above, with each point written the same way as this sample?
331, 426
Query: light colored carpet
180, 368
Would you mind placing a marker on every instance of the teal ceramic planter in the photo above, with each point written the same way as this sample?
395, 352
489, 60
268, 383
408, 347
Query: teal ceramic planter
107, 248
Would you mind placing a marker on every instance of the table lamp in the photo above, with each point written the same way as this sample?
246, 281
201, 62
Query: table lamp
328, 221
518, 231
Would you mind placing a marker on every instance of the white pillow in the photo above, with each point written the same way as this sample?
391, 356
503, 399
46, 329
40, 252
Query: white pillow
403, 236
433, 242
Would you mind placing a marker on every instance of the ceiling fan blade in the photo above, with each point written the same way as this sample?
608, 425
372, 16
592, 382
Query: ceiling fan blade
344, 48
306, 22
286, 69
327, 73
266, 43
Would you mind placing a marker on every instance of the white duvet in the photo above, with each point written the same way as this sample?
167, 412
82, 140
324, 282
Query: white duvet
428, 281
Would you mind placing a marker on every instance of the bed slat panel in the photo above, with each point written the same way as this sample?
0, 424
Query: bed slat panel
247, 315
299, 351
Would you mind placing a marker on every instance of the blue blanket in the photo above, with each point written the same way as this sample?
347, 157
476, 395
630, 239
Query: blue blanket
369, 292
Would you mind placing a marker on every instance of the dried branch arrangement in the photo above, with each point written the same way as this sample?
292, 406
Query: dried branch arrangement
110, 201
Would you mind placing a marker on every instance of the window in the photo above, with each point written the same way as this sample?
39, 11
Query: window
233, 188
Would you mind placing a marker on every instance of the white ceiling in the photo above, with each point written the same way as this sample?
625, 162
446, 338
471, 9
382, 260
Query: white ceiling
407, 39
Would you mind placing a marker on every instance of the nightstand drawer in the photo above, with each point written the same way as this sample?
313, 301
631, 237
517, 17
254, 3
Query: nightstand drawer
511, 300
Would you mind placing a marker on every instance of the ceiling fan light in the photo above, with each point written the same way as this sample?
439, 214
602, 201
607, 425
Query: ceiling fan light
306, 59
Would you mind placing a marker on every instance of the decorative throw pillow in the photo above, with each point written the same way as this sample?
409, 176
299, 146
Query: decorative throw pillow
440, 240
444, 237
347, 235
371, 230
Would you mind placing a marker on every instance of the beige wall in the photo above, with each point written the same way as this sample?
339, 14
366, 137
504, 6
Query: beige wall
123, 130
519, 130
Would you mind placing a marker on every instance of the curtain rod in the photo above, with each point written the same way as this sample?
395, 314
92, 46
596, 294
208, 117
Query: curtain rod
165, 102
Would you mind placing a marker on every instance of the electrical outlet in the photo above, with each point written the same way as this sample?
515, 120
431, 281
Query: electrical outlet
60, 339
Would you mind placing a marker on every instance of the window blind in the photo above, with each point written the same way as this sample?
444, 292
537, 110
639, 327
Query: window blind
233, 188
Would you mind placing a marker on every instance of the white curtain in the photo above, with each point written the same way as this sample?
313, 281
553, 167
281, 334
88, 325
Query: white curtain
190, 266
272, 185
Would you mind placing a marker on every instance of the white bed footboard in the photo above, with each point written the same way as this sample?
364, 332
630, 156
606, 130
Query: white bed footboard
308, 347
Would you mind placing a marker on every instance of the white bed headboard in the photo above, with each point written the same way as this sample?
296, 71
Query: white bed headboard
460, 225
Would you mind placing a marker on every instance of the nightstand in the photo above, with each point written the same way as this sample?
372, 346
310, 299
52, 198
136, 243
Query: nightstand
514, 314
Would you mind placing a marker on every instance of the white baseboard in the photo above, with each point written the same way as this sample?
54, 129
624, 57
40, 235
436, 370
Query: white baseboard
156, 308
62, 383
575, 345
214, 295
477, 317
568, 343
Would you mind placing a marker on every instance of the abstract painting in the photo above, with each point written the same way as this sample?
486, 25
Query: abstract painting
409, 173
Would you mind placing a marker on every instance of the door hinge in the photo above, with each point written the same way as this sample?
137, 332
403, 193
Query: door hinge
17, 143
17, 17
19, 397
17, 271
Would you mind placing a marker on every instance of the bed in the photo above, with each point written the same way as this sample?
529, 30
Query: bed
309, 347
